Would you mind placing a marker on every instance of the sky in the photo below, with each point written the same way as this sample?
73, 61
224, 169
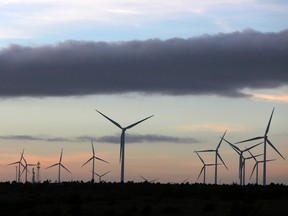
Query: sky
200, 67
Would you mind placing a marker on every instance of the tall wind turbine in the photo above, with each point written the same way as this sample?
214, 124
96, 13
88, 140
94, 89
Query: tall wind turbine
217, 155
266, 140
241, 159
59, 164
19, 164
255, 167
122, 139
93, 161
203, 169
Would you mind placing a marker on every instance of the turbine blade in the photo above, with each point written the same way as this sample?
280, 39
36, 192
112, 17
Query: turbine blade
254, 167
275, 148
233, 146
92, 148
268, 126
53, 165
22, 154
65, 168
252, 155
222, 160
134, 124
105, 173
252, 139
143, 178
101, 160
221, 140
95, 173
23, 171
210, 150
154, 180
200, 172
61, 156
200, 157
13, 163
114, 122
251, 147
87, 161
24, 160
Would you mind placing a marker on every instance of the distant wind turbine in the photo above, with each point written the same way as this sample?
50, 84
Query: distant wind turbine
93, 161
241, 159
122, 139
217, 155
100, 176
266, 140
59, 164
203, 169
255, 167
26, 168
19, 165
147, 181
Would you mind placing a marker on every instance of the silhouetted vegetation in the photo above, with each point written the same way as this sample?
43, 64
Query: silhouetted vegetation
129, 199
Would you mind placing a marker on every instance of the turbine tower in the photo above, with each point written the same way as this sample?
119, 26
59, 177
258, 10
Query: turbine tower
93, 161
38, 178
217, 155
241, 159
19, 164
59, 164
122, 139
266, 140
203, 169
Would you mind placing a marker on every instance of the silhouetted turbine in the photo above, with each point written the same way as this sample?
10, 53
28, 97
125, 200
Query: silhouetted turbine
217, 155
255, 167
19, 164
203, 169
122, 139
266, 140
146, 180
26, 168
93, 161
241, 159
100, 176
59, 164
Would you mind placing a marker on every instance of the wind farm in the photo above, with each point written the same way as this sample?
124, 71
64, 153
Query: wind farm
206, 195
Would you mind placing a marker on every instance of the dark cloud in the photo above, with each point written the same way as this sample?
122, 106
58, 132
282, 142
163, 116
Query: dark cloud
133, 138
222, 64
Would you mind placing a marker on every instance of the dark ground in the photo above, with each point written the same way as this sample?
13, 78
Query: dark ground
115, 199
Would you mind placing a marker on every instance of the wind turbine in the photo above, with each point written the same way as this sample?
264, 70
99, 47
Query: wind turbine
59, 164
241, 159
266, 140
100, 176
255, 167
25, 168
19, 164
203, 169
122, 139
217, 155
146, 180
93, 161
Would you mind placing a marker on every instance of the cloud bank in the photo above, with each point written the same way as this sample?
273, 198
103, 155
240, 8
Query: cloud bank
133, 138
222, 64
